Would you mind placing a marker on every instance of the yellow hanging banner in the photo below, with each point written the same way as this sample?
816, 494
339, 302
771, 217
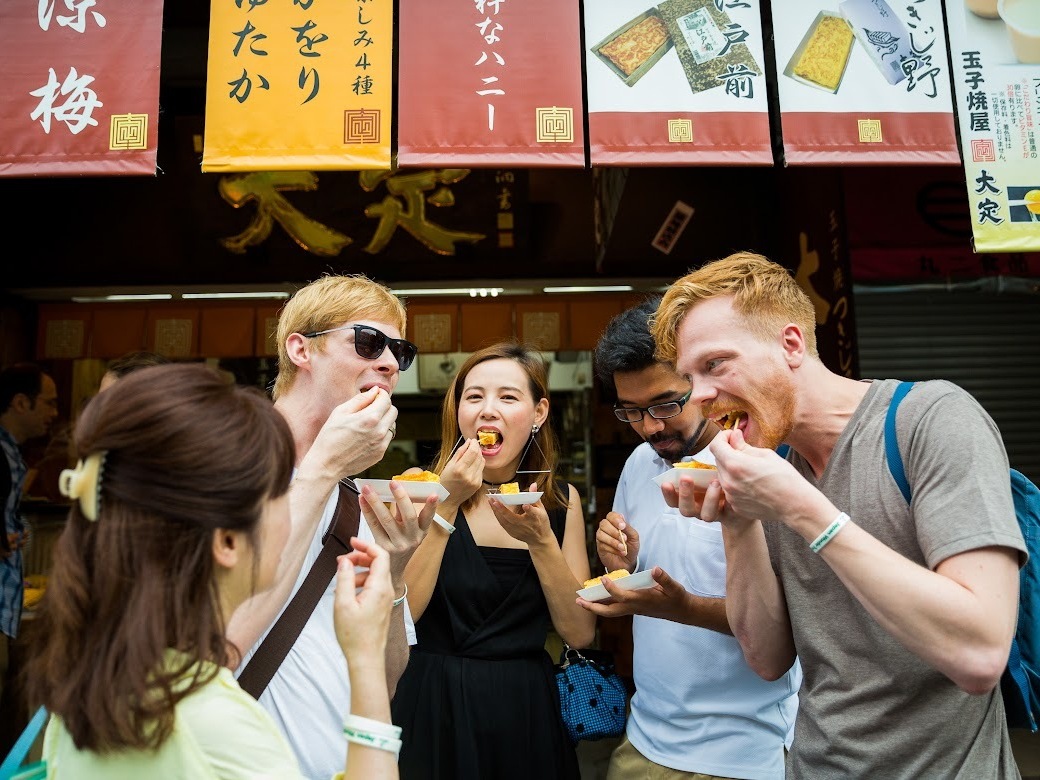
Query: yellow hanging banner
305, 85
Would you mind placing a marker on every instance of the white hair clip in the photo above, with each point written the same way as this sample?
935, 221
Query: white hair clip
83, 483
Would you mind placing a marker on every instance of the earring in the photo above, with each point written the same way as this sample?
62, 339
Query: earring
534, 429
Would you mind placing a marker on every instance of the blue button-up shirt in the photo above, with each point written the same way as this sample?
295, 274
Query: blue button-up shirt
12, 583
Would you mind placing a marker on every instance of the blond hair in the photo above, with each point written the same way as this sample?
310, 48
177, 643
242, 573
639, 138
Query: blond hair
327, 302
764, 293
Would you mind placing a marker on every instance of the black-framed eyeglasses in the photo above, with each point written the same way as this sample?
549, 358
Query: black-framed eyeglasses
370, 342
633, 414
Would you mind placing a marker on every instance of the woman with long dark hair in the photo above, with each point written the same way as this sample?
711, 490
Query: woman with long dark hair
478, 699
180, 512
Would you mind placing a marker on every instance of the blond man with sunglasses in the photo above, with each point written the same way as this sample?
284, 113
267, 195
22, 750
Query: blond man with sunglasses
340, 353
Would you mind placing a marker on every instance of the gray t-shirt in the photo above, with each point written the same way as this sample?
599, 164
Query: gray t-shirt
870, 707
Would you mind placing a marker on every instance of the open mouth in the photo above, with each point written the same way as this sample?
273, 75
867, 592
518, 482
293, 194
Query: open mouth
488, 438
731, 419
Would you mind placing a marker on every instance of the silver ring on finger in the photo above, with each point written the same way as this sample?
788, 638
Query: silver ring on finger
393, 430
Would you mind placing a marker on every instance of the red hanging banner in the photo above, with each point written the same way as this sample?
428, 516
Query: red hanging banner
489, 83
80, 92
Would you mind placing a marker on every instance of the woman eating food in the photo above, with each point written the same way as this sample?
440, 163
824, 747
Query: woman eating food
478, 699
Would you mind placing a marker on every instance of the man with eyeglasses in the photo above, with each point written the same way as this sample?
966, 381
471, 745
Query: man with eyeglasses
29, 404
699, 710
340, 354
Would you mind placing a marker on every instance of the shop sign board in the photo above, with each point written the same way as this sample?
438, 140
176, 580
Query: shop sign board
864, 82
486, 83
677, 83
299, 86
80, 91
996, 76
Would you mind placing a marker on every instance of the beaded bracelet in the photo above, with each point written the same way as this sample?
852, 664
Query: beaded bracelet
829, 532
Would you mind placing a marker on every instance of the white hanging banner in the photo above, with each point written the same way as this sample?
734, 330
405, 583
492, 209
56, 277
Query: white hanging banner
864, 82
996, 75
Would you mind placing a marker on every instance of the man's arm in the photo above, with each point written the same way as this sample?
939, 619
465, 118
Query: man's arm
756, 609
666, 600
618, 544
959, 618
399, 532
397, 649
352, 439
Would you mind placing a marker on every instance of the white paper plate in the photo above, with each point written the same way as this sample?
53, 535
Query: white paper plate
701, 477
516, 499
416, 490
637, 581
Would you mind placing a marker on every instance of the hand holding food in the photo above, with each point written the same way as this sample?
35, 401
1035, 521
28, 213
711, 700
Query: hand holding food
354, 436
527, 523
362, 618
462, 474
398, 527
617, 543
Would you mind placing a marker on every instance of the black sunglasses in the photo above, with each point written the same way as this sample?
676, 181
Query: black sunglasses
369, 343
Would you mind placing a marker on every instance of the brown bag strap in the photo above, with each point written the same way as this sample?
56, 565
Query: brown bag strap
272, 651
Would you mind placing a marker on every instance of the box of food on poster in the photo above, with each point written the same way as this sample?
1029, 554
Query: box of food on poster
822, 56
634, 47
708, 42
884, 37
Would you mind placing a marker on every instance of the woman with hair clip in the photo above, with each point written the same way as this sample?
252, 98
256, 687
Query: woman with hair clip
478, 698
180, 512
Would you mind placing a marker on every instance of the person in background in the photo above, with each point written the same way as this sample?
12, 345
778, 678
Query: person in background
131, 361
478, 699
712, 719
340, 354
901, 615
29, 404
180, 512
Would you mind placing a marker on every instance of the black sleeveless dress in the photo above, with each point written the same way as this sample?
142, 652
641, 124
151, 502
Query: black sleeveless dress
478, 700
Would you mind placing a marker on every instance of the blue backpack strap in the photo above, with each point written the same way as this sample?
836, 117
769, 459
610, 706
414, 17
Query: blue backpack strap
14, 759
895, 460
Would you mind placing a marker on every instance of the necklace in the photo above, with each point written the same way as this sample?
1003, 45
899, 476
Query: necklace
498, 484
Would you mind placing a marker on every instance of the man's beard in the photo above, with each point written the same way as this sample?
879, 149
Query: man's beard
775, 396
687, 447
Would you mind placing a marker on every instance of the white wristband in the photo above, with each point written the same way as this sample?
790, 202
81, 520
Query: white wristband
377, 727
829, 532
443, 524
400, 599
360, 737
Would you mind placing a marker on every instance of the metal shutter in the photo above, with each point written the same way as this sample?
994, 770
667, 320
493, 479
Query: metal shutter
984, 336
